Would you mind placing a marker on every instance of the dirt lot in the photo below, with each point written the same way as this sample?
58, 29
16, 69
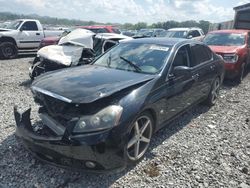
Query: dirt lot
203, 148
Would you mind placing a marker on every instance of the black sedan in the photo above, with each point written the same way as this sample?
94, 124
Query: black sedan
102, 116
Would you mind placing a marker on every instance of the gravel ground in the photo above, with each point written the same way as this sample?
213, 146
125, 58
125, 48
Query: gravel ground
203, 148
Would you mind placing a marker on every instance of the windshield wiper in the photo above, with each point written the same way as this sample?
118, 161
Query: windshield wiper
138, 69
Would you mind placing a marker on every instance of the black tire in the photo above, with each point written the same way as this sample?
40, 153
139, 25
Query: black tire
214, 93
241, 74
8, 50
141, 140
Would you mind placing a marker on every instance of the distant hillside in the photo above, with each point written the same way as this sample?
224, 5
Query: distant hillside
6, 16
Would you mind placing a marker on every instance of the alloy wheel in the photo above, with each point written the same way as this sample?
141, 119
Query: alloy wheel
215, 90
8, 51
139, 138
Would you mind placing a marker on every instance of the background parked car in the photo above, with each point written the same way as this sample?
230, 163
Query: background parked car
22, 34
144, 33
4, 24
111, 108
187, 33
234, 47
102, 29
129, 33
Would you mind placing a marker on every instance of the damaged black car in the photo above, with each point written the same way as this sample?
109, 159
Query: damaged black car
102, 116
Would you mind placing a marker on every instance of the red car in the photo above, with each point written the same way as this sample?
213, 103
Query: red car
102, 29
49, 41
54, 40
234, 47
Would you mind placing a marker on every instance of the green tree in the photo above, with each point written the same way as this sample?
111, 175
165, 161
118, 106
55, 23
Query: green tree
140, 25
204, 25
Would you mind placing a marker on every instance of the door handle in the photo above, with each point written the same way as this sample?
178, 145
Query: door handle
37, 33
212, 67
195, 77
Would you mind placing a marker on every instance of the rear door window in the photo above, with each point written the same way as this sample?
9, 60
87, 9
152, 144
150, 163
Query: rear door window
182, 57
29, 26
200, 54
108, 45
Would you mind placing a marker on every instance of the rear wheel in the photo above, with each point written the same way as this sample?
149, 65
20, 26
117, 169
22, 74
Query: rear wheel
139, 138
8, 50
214, 93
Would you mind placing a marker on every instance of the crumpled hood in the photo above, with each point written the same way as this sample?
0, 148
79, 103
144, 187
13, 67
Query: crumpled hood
61, 54
69, 48
80, 37
225, 49
86, 84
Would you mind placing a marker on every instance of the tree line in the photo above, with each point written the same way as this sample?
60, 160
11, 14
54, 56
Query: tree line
6, 16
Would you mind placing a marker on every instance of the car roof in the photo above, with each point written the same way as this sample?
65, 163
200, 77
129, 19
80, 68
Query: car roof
159, 41
240, 31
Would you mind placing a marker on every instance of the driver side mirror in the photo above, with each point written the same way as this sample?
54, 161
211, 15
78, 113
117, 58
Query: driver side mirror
180, 71
189, 36
21, 29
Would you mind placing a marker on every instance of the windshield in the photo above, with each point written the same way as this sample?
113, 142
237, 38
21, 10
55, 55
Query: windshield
137, 57
14, 25
176, 34
224, 39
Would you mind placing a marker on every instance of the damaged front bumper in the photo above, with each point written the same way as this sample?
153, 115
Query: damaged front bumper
56, 145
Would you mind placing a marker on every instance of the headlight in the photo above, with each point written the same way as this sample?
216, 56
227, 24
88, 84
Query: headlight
230, 58
104, 119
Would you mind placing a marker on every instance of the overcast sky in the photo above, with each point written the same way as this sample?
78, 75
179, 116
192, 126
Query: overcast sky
122, 11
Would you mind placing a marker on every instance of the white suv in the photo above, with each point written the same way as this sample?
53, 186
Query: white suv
188, 33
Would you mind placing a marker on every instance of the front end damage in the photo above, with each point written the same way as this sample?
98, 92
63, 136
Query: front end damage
52, 140
43, 64
72, 50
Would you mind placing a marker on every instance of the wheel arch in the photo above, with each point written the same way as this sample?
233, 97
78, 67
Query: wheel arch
8, 39
152, 112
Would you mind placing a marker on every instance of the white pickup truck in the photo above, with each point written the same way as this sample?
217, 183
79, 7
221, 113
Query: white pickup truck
23, 34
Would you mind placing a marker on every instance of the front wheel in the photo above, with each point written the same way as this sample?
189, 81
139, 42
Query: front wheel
139, 138
8, 50
214, 93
